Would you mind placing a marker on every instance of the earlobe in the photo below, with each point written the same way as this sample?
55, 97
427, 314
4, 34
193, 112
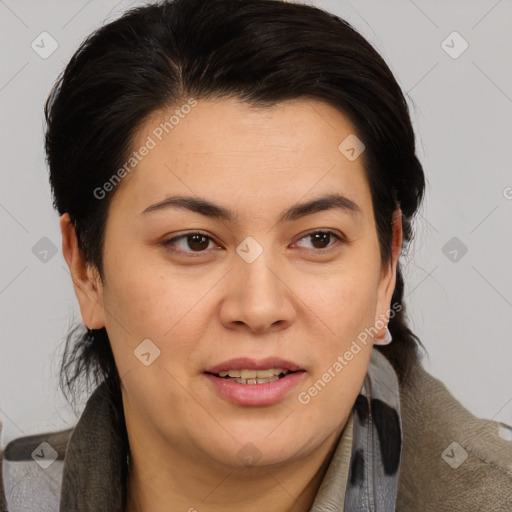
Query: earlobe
86, 281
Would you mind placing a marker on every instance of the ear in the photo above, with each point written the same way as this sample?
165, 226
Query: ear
388, 277
86, 280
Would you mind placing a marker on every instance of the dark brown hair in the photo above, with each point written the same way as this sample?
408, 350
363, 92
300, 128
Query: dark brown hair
260, 51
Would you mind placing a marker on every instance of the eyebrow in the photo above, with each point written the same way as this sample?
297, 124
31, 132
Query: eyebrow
297, 211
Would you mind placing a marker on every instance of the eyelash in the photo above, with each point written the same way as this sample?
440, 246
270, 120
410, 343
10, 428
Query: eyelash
168, 243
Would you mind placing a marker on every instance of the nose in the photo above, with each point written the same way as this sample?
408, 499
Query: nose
257, 297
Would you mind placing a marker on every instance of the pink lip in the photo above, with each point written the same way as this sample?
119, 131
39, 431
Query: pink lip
244, 363
255, 394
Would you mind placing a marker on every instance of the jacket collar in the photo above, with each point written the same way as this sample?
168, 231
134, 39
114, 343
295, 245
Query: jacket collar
95, 461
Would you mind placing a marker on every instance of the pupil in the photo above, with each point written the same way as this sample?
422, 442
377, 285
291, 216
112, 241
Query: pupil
320, 237
195, 244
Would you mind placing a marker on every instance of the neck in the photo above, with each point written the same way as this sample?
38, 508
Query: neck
189, 485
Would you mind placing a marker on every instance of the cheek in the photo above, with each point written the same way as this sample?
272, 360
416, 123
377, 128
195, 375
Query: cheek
137, 287
344, 302
342, 356
148, 304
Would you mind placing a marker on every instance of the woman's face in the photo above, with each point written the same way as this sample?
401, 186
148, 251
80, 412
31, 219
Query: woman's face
253, 289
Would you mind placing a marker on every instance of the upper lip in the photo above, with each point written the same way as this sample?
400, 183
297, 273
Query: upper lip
245, 363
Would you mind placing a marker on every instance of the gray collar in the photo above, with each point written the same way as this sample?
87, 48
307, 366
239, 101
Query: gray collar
372, 482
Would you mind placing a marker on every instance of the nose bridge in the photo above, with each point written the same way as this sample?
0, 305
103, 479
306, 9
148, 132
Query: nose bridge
258, 269
258, 297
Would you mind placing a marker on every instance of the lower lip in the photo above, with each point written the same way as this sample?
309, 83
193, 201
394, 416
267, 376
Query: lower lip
256, 394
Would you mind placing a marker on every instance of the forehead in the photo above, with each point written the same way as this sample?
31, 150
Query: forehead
234, 151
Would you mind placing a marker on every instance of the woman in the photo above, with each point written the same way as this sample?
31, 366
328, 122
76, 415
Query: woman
236, 181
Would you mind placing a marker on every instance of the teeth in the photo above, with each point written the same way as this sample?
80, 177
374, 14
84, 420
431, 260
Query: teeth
256, 381
248, 375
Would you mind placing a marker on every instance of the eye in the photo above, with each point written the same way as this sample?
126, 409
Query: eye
321, 239
190, 243
196, 242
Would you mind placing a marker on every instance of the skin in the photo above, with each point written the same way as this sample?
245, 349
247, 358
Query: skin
298, 300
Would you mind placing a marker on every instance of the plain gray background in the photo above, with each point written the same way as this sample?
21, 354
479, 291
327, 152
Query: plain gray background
460, 305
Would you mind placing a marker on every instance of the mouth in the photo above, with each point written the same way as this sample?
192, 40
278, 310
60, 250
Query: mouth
249, 382
247, 376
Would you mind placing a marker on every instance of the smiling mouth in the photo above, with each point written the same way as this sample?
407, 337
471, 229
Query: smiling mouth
253, 376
